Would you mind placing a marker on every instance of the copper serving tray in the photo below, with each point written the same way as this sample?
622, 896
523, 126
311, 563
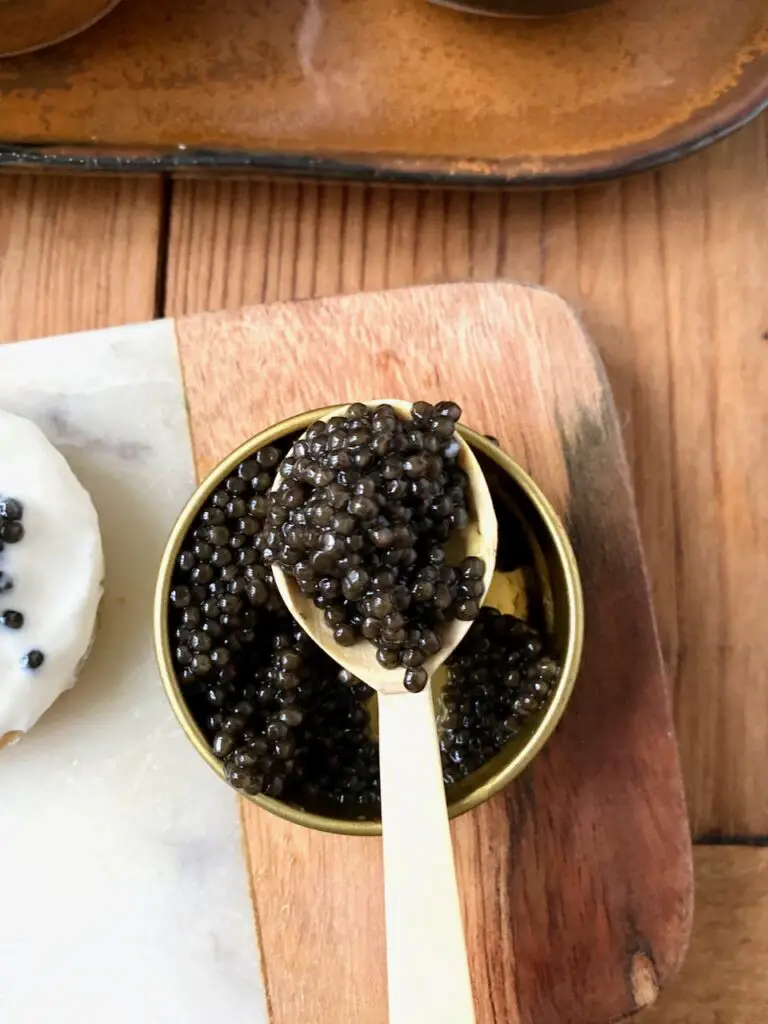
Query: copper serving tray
396, 90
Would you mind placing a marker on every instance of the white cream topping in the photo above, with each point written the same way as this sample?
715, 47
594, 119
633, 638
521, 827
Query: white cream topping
56, 569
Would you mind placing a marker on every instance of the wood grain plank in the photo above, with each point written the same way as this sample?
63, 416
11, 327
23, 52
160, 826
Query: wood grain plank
667, 272
585, 860
724, 980
720, 422
76, 253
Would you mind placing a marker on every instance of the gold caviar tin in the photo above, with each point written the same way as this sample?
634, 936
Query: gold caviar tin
554, 587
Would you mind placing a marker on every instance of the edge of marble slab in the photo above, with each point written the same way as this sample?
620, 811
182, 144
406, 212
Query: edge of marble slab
122, 884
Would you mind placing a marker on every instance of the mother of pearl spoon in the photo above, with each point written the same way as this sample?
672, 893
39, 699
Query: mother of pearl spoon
427, 967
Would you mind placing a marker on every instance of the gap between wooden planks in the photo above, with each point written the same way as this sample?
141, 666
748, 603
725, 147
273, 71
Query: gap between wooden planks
668, 271
724, 980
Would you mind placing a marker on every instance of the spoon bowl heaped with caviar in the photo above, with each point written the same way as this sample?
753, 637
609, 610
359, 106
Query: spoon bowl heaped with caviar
277, 717
371, 497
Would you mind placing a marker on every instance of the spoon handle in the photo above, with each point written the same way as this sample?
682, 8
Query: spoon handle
427, 967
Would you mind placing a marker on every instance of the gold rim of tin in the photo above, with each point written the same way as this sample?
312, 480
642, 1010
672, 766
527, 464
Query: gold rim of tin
484, 790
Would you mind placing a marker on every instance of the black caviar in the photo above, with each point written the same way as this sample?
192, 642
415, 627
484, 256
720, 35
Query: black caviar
33, 660
11, 515
360, 519
11, 532
281, 715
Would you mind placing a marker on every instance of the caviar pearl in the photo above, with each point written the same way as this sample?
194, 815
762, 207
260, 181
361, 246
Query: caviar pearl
416, 679
33, 660
497, 678
11, 509
11, 531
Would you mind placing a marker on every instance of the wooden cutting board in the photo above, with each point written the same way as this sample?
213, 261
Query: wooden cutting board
576, 880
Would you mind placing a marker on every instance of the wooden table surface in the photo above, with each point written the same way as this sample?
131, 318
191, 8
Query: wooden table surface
669, 272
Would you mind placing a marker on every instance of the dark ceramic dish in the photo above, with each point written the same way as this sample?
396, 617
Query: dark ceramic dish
388, 90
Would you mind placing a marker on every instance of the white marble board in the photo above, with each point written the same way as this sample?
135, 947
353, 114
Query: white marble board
123, 890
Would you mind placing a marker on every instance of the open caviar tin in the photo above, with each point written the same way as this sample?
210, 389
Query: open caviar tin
531, 536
